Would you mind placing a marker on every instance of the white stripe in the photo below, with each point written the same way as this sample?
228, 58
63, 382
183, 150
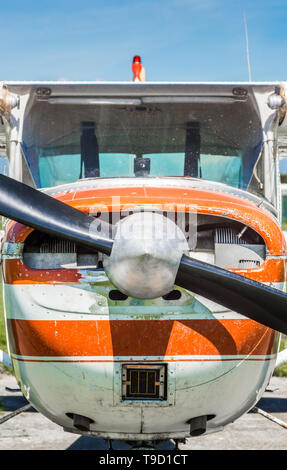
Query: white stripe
144, 358
72, 302
144, 316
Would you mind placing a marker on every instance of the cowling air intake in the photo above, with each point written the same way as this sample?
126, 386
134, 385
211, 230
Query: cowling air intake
147, 262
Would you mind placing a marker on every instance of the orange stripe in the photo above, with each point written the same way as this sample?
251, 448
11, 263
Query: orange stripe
194, 200
139, 338
16, 272
168, 198
272, 270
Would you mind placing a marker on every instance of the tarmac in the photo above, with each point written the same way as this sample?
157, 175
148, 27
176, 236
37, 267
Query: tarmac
29, 430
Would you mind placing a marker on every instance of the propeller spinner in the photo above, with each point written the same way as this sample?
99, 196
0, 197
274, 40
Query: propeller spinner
156, 268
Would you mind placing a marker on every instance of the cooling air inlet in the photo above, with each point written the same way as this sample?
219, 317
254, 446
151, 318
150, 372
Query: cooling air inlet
231, 251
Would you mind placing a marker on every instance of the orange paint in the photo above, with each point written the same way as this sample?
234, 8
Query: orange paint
169, 199
133, 338
181, 199
16, 272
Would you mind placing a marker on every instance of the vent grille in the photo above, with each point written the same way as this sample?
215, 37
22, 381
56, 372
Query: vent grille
228, 236
248, 263
57, 246
143, 382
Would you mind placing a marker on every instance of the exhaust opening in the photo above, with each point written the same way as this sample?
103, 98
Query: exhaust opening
82, 423
198, 424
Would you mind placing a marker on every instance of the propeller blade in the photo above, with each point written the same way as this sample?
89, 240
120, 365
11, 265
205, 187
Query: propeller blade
36, 209
252, 299
235, 292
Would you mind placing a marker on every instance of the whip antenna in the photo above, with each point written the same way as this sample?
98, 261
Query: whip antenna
247, 46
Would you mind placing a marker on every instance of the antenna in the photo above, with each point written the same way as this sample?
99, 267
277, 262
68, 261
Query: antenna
247, 47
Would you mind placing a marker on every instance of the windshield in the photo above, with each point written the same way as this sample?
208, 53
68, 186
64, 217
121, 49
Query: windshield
220, 142
284, 211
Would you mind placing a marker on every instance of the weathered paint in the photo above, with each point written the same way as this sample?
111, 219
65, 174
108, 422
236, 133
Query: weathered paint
94, 390
132, 338
69, 358
169, 198
16, 272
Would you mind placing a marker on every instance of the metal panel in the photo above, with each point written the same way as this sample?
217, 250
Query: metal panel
238, 256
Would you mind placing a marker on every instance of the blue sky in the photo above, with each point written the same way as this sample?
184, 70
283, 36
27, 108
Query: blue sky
180, 40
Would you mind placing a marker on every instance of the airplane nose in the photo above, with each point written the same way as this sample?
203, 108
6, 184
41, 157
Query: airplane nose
145, 256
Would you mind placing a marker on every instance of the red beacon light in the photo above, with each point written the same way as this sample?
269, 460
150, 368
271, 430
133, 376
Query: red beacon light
138, 69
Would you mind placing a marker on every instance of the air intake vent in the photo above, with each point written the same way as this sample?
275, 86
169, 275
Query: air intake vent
227, 235
44, 252
55, 245
248, 263
142, 382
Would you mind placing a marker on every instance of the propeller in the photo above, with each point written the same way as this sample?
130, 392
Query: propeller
35, 209
250, 298
40, 211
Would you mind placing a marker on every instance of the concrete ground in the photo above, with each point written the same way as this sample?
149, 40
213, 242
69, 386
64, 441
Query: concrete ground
32, 431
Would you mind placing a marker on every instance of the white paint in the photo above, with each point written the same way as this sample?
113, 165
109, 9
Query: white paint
83, 302
196, 389
192, 358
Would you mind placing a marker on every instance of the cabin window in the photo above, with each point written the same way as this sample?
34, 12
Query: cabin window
283, 179
284, 211
58, 169
61, 169
63, 143
222, 169
4, 165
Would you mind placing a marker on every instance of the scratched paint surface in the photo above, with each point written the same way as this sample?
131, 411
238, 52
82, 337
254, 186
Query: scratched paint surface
68, 339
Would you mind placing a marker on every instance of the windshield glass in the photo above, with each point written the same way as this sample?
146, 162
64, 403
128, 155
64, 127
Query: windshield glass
284, 210
220, 142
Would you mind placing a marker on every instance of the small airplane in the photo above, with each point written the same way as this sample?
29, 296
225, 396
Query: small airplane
143, 258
